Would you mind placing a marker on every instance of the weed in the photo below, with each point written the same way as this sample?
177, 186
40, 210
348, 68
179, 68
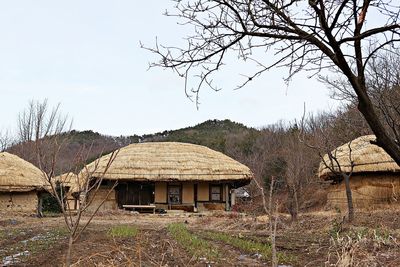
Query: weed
250, 246
359, 233
123, 231
336, 228
382, 236
338, 210
193, 244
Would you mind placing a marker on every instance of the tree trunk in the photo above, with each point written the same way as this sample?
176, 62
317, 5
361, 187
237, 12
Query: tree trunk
292, 205
349, 197
367, 109
296, 203
68, 256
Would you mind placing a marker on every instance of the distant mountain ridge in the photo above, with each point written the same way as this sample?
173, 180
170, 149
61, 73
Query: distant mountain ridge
211, 133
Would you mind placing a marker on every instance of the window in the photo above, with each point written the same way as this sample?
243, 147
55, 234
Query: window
216, 192
174, 194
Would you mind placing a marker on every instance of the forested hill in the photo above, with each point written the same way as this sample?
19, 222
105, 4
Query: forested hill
212, 133
215, 134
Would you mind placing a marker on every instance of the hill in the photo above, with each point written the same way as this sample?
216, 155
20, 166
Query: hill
212, 133
215, 134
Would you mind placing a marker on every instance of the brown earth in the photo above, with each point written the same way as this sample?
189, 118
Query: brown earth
316, 239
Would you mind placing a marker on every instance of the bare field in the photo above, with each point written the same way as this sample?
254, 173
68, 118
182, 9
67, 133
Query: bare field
214, 239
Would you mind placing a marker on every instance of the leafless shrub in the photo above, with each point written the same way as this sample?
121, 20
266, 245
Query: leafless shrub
318, 134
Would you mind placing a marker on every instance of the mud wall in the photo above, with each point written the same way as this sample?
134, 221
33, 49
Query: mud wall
368, 191
19, 201
109, 204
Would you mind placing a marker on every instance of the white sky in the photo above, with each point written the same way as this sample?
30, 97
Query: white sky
86, 55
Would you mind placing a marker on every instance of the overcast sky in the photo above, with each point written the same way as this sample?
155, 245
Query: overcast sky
86, 55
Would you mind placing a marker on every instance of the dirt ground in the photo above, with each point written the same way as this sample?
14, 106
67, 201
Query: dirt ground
316, 239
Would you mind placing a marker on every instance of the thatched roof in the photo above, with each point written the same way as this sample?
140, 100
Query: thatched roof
67, 179
17, 174
171, 161
366, 157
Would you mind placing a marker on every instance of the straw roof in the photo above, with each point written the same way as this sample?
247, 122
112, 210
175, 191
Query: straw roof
67, 179
171, 161
366, 157
17, 174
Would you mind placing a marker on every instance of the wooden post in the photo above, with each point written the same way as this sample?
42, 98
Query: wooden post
233, 198
227, 208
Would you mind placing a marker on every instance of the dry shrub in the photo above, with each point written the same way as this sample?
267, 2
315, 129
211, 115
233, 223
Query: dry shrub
361, 248
314, 198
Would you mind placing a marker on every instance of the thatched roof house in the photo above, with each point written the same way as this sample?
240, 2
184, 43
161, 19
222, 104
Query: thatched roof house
375, 178
171, 175
67, 180
20, 181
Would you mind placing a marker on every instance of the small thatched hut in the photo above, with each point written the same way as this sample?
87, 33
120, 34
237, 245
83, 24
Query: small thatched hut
20, 184
170, 175
67, 181
375, 179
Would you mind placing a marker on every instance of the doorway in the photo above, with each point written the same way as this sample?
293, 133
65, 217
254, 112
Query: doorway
135, 193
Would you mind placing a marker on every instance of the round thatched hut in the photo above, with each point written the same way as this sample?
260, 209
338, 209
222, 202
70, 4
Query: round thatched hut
375, 176
20, 183
170, 175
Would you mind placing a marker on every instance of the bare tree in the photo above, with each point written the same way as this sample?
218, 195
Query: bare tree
42, 133
317, 133
276, 151
384, 87
299, 166
45, 132
270, 209
86, 187
306, 36
5, 140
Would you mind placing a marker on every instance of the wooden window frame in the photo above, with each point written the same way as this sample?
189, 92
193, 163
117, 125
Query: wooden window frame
180, 194
220, 186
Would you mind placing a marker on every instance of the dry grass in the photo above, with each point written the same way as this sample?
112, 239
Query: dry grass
311, 240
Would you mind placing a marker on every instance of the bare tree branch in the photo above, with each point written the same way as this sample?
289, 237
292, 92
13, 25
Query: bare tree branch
313, 36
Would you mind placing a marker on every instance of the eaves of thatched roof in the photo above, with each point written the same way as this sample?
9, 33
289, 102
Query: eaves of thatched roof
360, 153
18, 175
170, 161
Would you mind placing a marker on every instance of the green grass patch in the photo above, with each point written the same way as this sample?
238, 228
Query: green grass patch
123, 231
249, 246
193, 244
